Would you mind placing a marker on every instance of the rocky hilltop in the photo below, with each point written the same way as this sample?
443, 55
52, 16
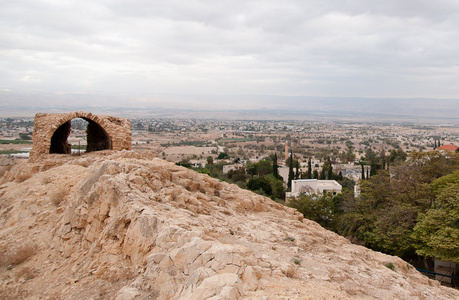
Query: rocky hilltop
128, 225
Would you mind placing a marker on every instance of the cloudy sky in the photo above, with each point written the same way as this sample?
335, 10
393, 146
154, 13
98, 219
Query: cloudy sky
142, 48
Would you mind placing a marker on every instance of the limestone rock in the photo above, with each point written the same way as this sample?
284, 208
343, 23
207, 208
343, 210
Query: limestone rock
128, 225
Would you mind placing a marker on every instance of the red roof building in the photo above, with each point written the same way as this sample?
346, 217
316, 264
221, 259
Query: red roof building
449, 147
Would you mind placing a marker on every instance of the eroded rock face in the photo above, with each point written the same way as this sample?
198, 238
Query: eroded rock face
128, 225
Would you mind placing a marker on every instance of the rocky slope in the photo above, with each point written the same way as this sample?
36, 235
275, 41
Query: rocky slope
128, 225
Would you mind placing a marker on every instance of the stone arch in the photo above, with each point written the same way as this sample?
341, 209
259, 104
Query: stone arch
97, 138
103, 132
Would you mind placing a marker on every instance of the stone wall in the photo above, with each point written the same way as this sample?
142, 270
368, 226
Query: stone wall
50, 133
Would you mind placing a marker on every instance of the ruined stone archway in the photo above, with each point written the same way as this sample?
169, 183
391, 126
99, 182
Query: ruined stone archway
103, 132
97, 138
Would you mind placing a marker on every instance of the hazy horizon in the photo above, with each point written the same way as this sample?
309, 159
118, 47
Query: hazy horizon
230, 55
255, 107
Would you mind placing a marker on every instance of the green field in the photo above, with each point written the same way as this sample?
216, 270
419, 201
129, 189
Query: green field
238, 139
14, 142
11, 151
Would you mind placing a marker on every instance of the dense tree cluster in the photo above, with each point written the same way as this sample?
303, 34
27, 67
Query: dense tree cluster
261, 177
265, 178
411, 209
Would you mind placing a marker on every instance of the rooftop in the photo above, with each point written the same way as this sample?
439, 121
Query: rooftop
449, 147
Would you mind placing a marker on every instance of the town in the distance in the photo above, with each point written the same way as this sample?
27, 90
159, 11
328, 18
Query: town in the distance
226, 146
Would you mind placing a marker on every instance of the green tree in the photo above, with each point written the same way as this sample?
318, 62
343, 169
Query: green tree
386, 212
184, 163
373, 169
437, 230
139, 126
275, 167
433, 164
340, 176
330, 175
397, 156
315, 174
309, 176
223, 155
252, 169
214, 170
392, 229
316, 208
260, 185
237, 174
349, 144
437, 233
347, 156
290, 172
296, 163
322, 175
210, 160
25, 137
264, 167
277, 187
370, 156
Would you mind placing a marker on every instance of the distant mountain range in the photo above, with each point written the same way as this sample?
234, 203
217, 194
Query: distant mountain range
236, 107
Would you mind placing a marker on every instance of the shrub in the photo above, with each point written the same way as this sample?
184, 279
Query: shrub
223, 155
390, 266
297, 261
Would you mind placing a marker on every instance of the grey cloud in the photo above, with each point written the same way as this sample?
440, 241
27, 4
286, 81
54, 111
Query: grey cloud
291, 47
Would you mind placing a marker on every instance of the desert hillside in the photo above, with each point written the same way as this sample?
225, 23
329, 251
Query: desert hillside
128, 225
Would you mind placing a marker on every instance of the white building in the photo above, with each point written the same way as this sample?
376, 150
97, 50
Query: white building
314, 186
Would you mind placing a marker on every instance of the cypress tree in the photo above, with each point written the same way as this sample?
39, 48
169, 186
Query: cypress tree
290, 172
275, 166
309, 169
321, 174
315, 175
330, 172
372, 169
363, 171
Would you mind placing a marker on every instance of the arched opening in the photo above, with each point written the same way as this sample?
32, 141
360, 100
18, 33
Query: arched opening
59, 142
96, 137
